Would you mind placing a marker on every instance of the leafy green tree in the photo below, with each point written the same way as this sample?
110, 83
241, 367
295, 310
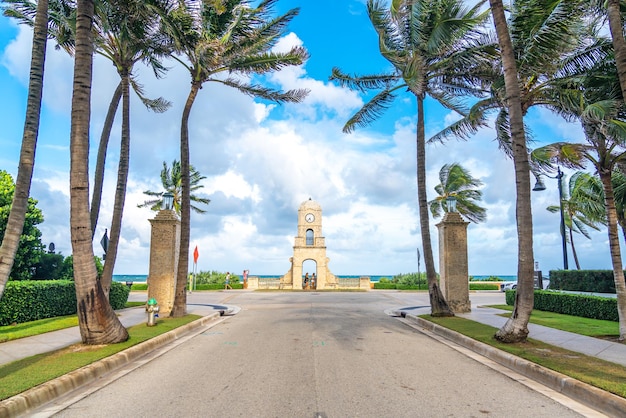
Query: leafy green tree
13, 232
435, 48
214, 41
583, 207
171, 179
97, 321
457, 182
30, 248
49, 267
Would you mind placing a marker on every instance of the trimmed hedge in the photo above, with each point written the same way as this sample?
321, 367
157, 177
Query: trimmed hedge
472, 286
595, 281
30, 300
218, 286
594, 307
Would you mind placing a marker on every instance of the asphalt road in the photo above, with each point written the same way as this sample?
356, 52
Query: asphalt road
314, 355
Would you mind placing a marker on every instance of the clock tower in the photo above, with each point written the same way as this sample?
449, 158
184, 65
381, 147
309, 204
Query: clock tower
309, 244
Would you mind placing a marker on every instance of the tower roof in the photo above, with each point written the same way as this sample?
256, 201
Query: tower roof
310, 204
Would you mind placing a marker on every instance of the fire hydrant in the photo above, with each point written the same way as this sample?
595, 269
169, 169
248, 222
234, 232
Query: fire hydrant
153, 311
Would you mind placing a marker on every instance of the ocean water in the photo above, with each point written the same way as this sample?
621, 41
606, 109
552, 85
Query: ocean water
143, 277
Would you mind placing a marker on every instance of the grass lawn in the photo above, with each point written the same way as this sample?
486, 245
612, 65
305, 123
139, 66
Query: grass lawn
41, 326
24, 374
576, 324
602, 374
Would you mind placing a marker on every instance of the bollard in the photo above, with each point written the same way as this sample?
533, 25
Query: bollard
152, 309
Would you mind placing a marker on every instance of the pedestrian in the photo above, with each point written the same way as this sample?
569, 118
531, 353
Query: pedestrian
306, 281
313, 282
227, 282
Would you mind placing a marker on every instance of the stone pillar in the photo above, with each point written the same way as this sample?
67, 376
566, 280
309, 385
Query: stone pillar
454, 279
164, 248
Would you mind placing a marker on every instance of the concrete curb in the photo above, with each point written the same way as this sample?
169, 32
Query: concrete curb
48, 391
584, 393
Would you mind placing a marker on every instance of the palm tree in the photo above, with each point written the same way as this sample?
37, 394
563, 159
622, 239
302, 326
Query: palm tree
171, 180
618, 180
434, 46
457, 182
597, 103
552, 44
516, 327
97, 321
126, 33
220, 38
616, 27
19, 206
582, 207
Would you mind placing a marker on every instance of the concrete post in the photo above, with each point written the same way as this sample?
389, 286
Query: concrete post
454, 279
164, 248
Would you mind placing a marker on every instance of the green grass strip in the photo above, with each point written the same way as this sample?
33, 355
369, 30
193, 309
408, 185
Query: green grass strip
41, 326
599, 373
598, 328
20, 375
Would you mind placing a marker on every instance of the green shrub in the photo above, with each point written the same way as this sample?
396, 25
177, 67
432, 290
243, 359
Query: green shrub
118, 295
586, 306
483, 286
380, 285
596, 281
30, 300
218, 286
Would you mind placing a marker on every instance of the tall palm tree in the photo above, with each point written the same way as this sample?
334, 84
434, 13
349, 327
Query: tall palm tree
616, 27
19, 206
457, 182
171, 179
550, 43
516, 327
582, 207
618, 180
434, 46
598, 105
97, 321
214, 41
126, 33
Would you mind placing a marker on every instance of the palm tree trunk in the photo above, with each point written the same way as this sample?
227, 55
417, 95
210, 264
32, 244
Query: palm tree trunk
180, 295
571, 240
120, 191
516, 327
619, 45
98, 179
19, 206
97, 321
438, 304
616, 255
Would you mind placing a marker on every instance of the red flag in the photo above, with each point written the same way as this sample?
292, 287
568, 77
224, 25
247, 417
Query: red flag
195, 255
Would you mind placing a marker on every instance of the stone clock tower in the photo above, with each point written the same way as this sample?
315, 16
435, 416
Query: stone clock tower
309, 245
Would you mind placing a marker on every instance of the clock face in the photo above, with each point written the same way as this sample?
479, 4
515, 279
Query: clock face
309, 217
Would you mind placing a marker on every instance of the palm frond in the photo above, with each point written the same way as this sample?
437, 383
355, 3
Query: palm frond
371, 111
363, 82
258, 91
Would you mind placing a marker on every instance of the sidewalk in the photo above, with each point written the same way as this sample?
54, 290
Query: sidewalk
50, 341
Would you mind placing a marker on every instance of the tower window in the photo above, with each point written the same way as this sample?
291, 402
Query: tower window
309, 237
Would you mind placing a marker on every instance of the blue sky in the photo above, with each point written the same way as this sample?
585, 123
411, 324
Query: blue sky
262, 161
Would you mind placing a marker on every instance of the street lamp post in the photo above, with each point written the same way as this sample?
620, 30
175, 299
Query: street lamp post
539, 186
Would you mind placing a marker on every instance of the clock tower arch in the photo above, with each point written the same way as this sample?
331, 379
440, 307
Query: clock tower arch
309, 244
